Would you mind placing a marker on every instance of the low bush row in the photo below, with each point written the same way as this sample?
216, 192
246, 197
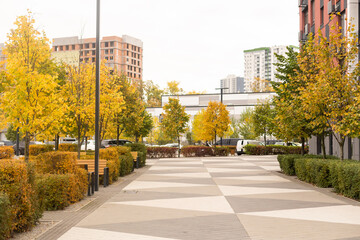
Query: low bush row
68, 147
273, 150
161, 152
196, 151
35, 150
343, 176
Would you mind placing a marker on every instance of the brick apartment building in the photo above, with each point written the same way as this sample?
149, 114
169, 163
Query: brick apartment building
125, 54
315, 15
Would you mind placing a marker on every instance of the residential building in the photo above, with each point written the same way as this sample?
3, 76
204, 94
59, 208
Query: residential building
125, 54
233, 84
259, 63
321, 15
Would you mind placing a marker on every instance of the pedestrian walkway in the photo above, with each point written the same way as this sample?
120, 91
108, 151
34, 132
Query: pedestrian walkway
220, 198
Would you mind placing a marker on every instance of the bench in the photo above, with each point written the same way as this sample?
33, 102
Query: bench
136, 159
89, 166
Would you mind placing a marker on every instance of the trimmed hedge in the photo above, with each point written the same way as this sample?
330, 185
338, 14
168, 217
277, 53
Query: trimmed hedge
162, 152
141, 148
5, 216
196, 151
14, 181
6, 152
60, 190
343, 176
35, 150
126, 164
56, 163
221, 151
68, 147
273, 149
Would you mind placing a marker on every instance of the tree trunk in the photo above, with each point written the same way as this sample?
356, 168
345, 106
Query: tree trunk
57, 138
27, 143
215, 139
265, 138
136, 138
341, 144
179, 146
117, 134
302, 146
323, 145
79, 143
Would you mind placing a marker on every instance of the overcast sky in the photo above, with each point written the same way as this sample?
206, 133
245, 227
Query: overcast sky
195, 42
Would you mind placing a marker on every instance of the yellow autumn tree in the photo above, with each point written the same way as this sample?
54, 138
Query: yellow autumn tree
331, 95
29, 100
200, 133
261, 85
216, 119
79, 95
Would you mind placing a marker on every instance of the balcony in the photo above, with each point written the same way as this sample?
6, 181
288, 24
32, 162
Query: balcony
302, 37
303, 4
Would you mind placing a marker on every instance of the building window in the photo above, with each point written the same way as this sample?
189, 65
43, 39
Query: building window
93, 52
93, 59
127, 46
111, 58
86, 52
321, 17
81, 53
127, 53
87, 45
111, 44
67, 47
106, 44
73, 47
313, 12
93, 45
56, 48
61, 48
106, 58
111, 51
106, 51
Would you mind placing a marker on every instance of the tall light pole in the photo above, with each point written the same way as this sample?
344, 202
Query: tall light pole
221, 98
97, 97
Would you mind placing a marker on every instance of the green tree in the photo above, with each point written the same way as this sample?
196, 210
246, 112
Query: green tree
175, 119
246, 124
153, 94
263, 119
11, 133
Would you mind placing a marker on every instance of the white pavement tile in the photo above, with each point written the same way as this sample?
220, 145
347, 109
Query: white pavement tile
234, 164
257, 178
271, 168
228, 170
186, 175
137, 185
208, 204
346, 214
238, 191
180, 163
77, 233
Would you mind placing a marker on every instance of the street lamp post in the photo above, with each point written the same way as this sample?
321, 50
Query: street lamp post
97, 97
221, 98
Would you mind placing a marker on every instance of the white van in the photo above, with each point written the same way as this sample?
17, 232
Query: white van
242, 143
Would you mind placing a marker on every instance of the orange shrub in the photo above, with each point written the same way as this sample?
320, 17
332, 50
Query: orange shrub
67, 147
56, 162
35, 150
6, 152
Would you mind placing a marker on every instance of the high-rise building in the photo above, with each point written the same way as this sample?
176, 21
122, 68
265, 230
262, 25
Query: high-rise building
125, 54
259, 63
233, 83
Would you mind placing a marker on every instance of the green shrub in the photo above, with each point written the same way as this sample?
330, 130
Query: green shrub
126, 164
56, 162
139, 147
6, 152
35, 150
58, 191
5, 217
220, 151
196, 151
68, 147
162, 152
14, 181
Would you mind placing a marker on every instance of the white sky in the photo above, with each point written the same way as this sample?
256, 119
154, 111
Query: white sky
195, 42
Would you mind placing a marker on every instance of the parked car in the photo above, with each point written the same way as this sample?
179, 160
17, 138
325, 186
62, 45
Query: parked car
22, 146
242, 143
228, 141
113, 142
68, 140
8, 143
89, 146
288, 143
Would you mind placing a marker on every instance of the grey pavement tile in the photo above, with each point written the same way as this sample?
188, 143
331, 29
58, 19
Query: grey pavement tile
288, 185
242, 205
207, 181
218, 227
133, 195
242, 174
268, 228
